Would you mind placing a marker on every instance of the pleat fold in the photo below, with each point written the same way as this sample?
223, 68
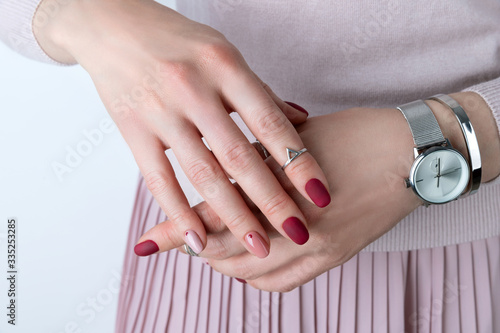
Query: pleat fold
446, 289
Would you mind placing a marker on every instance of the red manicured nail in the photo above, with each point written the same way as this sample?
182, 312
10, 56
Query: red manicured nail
257, 244
318, 193
241, 280
146, 248
298, 107
296, 230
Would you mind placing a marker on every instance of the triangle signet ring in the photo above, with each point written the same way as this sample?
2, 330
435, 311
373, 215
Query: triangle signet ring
292, 154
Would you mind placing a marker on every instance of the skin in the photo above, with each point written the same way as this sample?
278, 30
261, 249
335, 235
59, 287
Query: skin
369, 196
365, 176
167, 82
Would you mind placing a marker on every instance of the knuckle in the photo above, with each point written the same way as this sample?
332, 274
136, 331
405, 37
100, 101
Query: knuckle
203, 172
275, 204
178, 71
156, 183
218, 248
237, 222
272, 123
219, 52
180, 216
237, 158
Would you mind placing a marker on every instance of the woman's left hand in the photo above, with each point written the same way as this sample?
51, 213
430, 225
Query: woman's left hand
366, 154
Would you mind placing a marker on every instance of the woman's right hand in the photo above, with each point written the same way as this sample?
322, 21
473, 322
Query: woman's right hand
167, 82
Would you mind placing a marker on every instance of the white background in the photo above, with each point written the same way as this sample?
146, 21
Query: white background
71, 234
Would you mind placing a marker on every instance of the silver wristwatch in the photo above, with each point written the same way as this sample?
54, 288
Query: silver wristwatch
439, 173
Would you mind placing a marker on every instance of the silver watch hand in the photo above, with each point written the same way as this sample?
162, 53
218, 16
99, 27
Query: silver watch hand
444, 174
439, 171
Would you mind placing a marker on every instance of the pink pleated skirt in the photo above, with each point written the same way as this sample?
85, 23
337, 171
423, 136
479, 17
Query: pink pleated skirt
446, 289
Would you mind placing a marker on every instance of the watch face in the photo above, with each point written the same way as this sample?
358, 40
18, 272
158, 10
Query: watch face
439, 175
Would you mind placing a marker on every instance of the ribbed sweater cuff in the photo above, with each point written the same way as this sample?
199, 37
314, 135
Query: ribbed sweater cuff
16, 29
490, 92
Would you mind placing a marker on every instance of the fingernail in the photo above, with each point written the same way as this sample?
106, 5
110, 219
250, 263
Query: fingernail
193, 241
296, 230
146, 248
257, 245
298, 107
318, 193
241, 280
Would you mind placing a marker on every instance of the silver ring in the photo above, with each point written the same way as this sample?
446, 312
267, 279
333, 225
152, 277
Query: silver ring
292, 154
264, 150
190, 251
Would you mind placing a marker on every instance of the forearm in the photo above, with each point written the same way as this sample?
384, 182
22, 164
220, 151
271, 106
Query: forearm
484, 125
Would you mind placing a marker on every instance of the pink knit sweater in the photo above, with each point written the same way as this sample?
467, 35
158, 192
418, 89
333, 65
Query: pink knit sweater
329, 56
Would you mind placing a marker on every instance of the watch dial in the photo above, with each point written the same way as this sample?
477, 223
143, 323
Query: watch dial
441, 175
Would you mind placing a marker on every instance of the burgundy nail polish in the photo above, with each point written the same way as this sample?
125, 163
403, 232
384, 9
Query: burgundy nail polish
296, 230
318, 193
240, 280
298, 107
146, 248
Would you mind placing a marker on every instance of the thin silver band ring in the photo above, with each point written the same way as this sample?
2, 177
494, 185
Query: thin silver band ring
190, 251
264, 150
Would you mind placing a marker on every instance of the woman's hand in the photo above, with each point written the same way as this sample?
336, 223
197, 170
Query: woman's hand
367, 154
167, 82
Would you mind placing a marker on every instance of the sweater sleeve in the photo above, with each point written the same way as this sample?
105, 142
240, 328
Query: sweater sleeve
490, 92
16, 29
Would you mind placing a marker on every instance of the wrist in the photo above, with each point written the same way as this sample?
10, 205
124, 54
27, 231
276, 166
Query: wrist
52, 23
484, 126
87, 31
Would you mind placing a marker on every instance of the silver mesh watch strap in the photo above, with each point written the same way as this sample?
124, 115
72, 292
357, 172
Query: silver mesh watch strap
470, 139
423, 125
